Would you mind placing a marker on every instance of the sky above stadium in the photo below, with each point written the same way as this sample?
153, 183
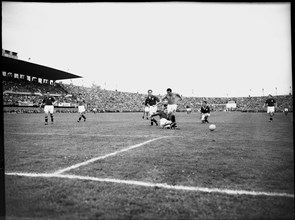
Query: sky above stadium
197, 49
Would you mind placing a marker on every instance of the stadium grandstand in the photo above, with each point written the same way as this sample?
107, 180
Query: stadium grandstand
24, 84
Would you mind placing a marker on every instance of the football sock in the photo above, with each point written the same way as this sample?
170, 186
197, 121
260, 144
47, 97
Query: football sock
84, 117
173, 118
79, 118
154, 120
51, 116
46, 119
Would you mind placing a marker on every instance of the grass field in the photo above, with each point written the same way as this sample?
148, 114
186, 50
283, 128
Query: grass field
117, 166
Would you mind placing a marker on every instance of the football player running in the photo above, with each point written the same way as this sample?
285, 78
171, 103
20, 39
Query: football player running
151, 102
172, 102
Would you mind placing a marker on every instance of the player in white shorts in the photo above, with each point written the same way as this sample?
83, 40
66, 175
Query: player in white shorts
165, 121
151, 102
188, 109
146, 111
81, 107
48, 101
271, 104
205, 112
172, 102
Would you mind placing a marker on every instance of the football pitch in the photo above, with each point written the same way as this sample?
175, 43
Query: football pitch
117, 166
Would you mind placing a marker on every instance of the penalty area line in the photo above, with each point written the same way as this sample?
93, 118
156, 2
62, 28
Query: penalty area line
107, 155
159, 185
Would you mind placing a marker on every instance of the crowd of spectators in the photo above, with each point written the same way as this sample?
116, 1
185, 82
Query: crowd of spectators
22, 85
116, 101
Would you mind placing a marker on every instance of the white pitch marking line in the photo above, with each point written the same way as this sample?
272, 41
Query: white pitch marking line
107, 155
160, 185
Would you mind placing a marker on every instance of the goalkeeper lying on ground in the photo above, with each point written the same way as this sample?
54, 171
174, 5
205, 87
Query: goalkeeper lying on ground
165, 118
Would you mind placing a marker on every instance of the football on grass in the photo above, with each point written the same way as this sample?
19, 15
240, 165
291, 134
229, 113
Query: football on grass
212, 127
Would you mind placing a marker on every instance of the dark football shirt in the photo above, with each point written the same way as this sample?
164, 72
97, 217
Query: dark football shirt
48, 100
205, 109
151, 100
270, 102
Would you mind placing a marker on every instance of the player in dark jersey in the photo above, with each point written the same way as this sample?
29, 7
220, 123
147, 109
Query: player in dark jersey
81, 107
205, 112
151, 102
271, 104
165, 118
48, 103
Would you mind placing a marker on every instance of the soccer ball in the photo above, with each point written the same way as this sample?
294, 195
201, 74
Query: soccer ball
212, 127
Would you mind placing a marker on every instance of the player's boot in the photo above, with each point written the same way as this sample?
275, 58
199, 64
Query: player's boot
173, 125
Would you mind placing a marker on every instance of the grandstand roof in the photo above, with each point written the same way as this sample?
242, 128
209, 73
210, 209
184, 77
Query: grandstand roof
35, 70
